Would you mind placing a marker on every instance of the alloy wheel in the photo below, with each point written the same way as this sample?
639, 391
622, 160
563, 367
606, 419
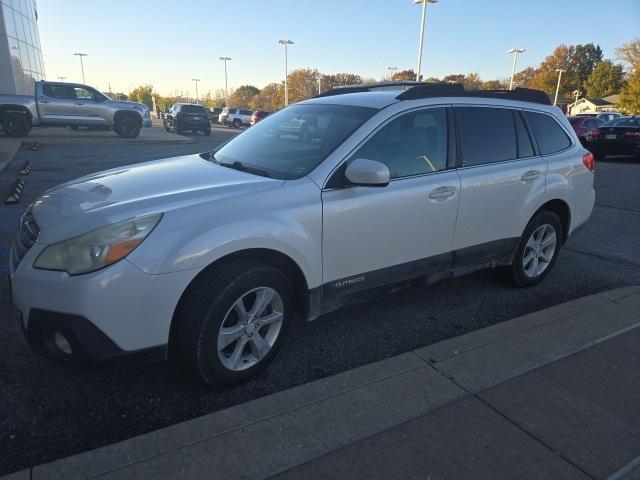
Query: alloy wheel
250, 328
539, 251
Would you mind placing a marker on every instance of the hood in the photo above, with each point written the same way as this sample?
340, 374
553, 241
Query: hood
108, 197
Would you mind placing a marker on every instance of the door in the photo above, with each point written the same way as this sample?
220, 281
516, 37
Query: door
91, 109
57, 103
502, 182
374, 236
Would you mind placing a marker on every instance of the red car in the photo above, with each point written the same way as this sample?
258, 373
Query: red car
258, 115
585, 127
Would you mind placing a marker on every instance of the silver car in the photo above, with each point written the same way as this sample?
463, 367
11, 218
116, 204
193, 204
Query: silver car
211, 257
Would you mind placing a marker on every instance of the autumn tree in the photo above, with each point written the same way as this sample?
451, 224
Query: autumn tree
215, 100
630, 94
472, 81
494, 85
455, 78
270, 97
340, 80
142, 94
606, 79
524, 78
630, 53
546, 76
242, 96
403, 75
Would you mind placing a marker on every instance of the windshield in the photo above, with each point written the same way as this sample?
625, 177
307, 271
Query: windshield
193, 109
624, 122
289, 144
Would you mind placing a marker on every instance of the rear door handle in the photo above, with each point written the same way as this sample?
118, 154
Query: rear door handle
442, 193
530, 176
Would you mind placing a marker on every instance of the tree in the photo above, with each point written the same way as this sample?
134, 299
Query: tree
606, 79
432, 80
584, 60
242, 96
142, 94
472, 81
630, 94
217, 100
630, 53
270, 97
524, 78
546, 76
340, 80
403, 75
455, 78
494, 85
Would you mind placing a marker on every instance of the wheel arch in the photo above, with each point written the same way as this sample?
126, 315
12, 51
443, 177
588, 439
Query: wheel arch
120, 114
563, 211
273, 257
10, 108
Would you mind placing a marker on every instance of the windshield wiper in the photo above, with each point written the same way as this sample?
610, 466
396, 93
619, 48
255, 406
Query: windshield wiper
237, 165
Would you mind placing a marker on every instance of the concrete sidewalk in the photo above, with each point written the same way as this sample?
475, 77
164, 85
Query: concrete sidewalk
8, 148
553, 394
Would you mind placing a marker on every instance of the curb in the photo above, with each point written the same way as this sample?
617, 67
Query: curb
294, 426
14, 147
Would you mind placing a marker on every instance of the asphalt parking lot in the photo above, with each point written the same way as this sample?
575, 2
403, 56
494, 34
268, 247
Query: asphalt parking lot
48, 411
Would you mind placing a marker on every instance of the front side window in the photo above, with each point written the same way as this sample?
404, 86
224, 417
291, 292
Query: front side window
550, 136
291, 143
412, 144
487, 134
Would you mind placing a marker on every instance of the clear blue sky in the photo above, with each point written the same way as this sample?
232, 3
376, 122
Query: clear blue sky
167, 43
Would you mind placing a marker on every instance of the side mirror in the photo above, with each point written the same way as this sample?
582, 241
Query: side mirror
368, 173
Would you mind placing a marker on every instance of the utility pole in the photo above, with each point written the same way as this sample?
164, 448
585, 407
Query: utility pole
392, 71
422, 21
559, 70
78, 54
196, 80
286, 43
226, 81
515, 52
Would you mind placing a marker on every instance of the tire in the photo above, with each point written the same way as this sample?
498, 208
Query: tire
16, 124
207, 132
237, 123
540, 230
127, 127
212, 302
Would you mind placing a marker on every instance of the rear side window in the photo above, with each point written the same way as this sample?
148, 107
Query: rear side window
487, 134
63, 92
525, 149
550, 136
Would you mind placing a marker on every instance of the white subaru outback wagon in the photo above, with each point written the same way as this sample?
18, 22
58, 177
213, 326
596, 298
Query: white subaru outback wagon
209, 257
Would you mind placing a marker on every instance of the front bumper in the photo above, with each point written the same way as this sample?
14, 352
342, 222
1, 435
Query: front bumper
117, 313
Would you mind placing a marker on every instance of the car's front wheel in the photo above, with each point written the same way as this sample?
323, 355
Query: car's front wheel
537, 249
127, 127
233, 321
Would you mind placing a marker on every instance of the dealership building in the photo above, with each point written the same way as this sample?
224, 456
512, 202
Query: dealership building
20, 52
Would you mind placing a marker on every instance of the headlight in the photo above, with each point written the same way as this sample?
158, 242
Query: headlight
98, 249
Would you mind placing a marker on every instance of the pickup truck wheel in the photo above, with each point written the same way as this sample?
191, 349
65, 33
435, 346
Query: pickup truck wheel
127, 127
16, 125
237, 123
232, 321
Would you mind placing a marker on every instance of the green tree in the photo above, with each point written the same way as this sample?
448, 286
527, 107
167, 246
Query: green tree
606, 79
242, 96
142, 94
584, 59
630, 53
546, 76
630, 94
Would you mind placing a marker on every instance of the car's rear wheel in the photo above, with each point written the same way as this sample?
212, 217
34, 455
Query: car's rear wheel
237, 123
537, 249
233, 321
16, 124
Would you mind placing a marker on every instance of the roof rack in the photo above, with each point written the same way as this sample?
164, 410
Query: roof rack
417, 90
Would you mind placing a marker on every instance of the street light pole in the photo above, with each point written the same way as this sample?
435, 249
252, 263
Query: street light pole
78, 54
424, 16
515, 52
577, 93
392, 71
62, 79
226, 83
196, 80
559, 70
286, 44
319, 83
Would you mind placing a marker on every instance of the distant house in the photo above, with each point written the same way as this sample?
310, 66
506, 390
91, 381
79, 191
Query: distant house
592, 105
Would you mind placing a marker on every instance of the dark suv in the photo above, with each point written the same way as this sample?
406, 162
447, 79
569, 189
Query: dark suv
183, 117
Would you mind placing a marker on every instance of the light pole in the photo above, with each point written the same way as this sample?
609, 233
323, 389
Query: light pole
226, 83
286, 44
392, 71
319, 83
515, 52
559, 70
424, 16
78, 54
196, 80
577, 93
62, 79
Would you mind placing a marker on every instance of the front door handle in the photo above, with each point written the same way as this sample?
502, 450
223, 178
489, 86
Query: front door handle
530, 176
442, 193
43, 101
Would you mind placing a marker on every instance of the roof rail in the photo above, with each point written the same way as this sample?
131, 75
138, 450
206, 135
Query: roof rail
457, 90
368, 87
417, 90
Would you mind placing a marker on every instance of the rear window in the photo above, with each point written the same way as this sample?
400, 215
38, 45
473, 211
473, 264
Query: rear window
488, 135
193, 109
549, 135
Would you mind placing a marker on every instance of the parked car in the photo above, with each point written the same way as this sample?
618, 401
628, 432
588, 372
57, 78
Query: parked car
585, 126
235, 117
187, 117
606, 116
70, 105
207, 258
617, 137
257, 116
214, 114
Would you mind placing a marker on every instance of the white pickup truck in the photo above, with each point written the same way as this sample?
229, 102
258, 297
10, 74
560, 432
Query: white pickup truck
70, 105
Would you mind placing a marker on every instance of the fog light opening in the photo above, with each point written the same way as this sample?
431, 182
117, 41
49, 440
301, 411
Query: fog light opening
61, 343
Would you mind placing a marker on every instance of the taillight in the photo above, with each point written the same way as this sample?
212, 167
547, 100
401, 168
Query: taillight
632, 134
589, 161
595, 133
